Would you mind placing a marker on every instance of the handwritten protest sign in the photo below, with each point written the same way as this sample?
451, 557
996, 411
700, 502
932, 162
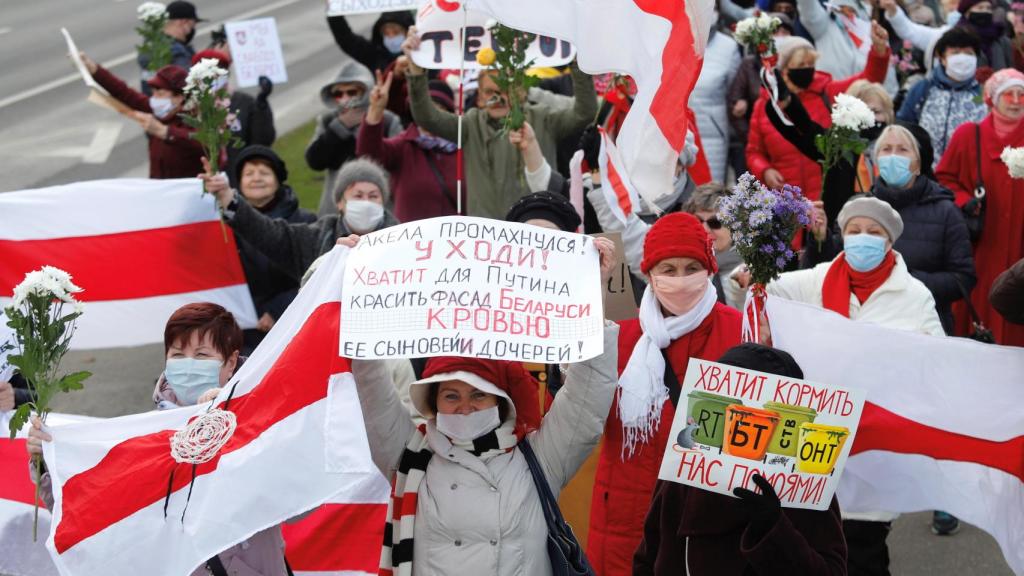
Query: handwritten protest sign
460, 286
619, 301
341, 7
255, 51
7, 344
440, 23
733, 423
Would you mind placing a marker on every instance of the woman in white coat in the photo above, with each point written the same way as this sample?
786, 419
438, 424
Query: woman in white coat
721, 62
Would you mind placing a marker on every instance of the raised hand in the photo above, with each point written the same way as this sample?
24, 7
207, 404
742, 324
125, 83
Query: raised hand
379, 98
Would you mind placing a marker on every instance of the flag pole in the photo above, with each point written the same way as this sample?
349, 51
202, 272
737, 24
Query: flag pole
458, 142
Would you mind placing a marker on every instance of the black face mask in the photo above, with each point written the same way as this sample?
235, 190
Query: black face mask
873, 132
801, 77
191, 34
980, 19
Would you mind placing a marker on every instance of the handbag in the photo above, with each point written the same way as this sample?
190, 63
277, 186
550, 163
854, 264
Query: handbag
564, 551
974, 216
978, 330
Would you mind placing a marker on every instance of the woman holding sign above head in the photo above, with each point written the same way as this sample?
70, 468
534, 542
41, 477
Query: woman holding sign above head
680, 319
697, 532
464, 500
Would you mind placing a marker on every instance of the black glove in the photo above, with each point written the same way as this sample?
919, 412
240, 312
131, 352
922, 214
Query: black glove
972, 209
590, 143
266, 87
764, 509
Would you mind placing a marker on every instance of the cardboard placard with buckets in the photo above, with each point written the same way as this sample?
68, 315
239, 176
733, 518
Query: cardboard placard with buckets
734, 422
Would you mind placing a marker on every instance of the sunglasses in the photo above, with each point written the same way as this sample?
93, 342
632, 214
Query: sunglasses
351, 93
714, 223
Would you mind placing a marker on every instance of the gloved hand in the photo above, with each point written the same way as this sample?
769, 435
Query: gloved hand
973, 207
764, 509
590, 143
266, 87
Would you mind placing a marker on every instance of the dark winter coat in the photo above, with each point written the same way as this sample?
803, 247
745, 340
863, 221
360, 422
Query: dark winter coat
292, 247
179, 156
416, 188
699, 533
934, 244
370, 53
255, 125
181, 55
1007, 294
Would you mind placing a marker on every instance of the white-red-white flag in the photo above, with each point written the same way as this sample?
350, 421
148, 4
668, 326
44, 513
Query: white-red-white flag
942, 427
140, 249
123, 505
659, 43
619, 194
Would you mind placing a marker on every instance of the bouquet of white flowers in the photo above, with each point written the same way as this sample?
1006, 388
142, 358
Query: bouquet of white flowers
42, 333
1014, 160
757, 33
156, 46
850, 115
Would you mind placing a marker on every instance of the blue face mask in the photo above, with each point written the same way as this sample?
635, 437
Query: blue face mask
190, 377
394, 43
864, 252
895, 170
161, 107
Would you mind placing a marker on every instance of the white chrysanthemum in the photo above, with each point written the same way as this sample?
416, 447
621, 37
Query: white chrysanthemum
203, 74
62, 278
756, 28
45, 281
491, 23
851, 112
1014, 160
151, 11
78, 307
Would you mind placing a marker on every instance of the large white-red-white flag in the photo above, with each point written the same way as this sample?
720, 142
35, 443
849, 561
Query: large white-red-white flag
123, 505
140, 249
942, 427
659, 43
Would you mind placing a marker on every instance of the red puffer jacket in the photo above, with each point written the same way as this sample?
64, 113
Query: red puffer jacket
766, 148
623, 489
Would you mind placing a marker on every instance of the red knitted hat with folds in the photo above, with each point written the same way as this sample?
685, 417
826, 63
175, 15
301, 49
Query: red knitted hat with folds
679, 235
511, 377
171, 78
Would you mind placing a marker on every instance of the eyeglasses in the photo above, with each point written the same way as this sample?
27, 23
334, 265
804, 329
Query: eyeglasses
351, 92
713, 223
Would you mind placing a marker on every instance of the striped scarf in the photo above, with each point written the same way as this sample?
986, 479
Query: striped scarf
396, 553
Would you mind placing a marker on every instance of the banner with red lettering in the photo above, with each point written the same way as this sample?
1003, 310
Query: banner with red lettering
461, 286
738, 422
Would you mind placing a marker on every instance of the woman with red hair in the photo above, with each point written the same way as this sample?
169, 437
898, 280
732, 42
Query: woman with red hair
680, 318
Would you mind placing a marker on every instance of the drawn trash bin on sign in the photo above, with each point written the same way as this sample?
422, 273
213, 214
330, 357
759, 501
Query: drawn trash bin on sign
708, 413
786, 438
820, 446
748, 431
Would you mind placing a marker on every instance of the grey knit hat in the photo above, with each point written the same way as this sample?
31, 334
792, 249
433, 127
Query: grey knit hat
787, 47
878, 210
361, 170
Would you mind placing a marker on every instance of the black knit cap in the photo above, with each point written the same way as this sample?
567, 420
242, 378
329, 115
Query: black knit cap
263, 153
554, 208
763, 359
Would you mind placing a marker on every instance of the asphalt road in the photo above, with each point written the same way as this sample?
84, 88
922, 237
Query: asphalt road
50, 135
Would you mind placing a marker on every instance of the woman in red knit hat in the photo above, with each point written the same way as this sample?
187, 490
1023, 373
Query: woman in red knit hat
680, 319
463, 499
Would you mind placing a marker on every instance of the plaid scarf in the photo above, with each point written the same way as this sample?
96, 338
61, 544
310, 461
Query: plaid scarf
396, 553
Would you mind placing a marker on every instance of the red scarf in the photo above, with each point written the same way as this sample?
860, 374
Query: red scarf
841, 280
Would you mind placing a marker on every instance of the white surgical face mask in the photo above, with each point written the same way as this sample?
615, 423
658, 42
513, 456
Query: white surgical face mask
219, 83
190, 377
161, 107
465, 428
961, 67
363, 216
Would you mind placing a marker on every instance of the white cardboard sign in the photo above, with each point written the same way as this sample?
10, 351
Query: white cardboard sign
731, 423
473, 287
255, 51
342, 7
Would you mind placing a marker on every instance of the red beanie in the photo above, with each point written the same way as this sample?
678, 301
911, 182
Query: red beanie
510, 377
679, 235
221, 57
170, 77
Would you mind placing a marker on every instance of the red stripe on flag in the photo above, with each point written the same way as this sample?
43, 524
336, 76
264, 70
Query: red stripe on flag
881, 429
337, 537
619, 187
15, 483
126, 265
134, 474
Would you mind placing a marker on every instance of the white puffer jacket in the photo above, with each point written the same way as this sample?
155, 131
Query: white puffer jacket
477, 517
721, 61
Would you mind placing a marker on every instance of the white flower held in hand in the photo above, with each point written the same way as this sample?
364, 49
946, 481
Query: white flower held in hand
852, 113
203, 75
47, 280
151, 11
1014, 160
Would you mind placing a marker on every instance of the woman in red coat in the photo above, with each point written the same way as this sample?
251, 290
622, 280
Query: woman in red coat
770, 157
1001, 242
680, 318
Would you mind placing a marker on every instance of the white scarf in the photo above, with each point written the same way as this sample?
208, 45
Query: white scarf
642, 390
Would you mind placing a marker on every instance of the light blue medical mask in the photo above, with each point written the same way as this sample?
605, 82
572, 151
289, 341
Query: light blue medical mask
394, 43
895, 170
162, 107
864, 252
190, 377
